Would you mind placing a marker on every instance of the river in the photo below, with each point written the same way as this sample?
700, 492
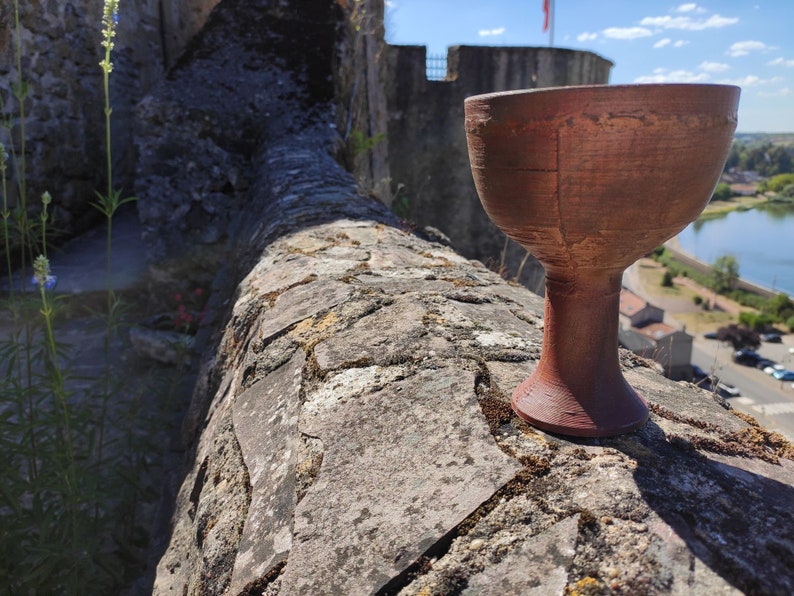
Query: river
761, 239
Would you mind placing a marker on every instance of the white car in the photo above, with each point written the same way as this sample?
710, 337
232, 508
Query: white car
727, 390
770, 370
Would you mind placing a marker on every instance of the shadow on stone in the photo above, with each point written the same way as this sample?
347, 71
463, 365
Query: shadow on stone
719, 512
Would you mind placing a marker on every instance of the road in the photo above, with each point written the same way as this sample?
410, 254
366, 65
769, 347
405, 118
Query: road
769, 401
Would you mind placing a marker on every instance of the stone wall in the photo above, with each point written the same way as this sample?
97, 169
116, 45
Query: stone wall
60, 54
428, 159
381, 92
199, 128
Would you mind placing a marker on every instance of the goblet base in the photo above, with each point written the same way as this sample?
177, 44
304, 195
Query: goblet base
550, 405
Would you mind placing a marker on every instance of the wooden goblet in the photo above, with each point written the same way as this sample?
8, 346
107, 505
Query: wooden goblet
589, 179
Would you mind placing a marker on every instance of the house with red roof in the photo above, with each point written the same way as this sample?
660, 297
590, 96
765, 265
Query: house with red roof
644, 332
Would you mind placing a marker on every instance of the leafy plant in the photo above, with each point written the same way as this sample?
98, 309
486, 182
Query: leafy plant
360, 143
776, 183
759, 322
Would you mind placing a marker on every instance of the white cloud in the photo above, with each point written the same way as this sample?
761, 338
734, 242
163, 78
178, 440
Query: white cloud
680, 43
715, 21
687, 7
784, 92
626, 32
662, 42
751, 81
742, 48
713, 66
662, 75
586, 36
781, 62
488, 32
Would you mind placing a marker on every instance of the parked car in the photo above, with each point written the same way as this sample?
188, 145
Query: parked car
746, 357
764, 362
698, 374
771, 370
772, 338
727, 390
784, 375
710, 335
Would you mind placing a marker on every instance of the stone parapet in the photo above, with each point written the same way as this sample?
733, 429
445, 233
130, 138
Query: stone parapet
352, 434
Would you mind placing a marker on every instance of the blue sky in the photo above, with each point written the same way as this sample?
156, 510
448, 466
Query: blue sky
748, 43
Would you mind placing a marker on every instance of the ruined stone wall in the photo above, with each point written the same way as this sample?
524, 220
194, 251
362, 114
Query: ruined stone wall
60, 54
362, 112
200, 127
428, 159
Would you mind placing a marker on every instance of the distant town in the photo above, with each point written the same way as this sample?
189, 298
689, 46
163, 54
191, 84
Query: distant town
759, 163
701, 321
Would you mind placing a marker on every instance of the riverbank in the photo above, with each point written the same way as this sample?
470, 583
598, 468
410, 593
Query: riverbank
757, 233
678, 300
679, 254
736, 203
687, 298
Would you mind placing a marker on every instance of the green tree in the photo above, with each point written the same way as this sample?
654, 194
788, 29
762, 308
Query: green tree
723, 192
776, 161
780, 307
739, 337
766, 159
777, 183
733, 156
757, 321
724, 274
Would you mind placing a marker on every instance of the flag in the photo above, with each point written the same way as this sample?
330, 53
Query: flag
545, 15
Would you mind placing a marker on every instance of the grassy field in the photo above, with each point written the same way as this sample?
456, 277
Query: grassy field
678, 301
716, 208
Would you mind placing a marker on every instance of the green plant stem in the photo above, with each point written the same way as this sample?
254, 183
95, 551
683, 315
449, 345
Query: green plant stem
7, 241
59, 390
109, 168
20, 159
20, 166
110, 205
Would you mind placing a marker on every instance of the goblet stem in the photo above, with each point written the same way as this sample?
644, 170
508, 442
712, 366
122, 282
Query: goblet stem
577, 388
